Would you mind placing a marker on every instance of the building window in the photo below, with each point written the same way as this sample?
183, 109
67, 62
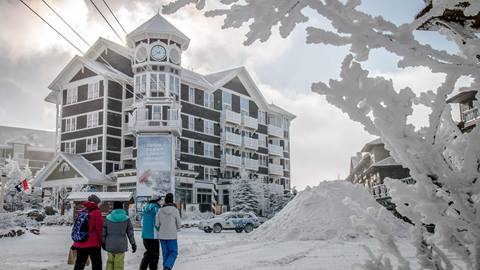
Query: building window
191, 146
209, 173
92, 120
208, 150
227, 100
70, 147
156, 112
286, 165
70, 124
286, 146
244, 106
191, 95
262, 117
263, 160
208, 100
93, 90
209, 127
92, 145
191, 122
71, 95
262, 140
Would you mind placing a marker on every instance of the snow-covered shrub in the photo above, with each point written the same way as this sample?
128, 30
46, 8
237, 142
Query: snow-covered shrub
16, 223
443, 160
59, 220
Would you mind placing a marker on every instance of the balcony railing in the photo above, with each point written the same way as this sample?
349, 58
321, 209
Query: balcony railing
250, 143
379, 191
232, 161
249, 122
127, 153
232, 138
275, 169
275, 131
157, 123
250, 164
470, 115
232, 117
275, 150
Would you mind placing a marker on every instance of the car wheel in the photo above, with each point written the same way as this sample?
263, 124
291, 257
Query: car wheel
217, 228
248, 228
239, 230
207, 230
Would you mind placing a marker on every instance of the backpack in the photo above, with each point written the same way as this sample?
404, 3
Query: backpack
80, 227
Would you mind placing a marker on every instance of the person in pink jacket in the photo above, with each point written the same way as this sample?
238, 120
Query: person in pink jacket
92, 247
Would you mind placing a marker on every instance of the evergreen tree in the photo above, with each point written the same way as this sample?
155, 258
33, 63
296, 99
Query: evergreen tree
245, 196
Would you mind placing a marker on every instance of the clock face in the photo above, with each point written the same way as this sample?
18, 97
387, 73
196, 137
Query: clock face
141, 54
158, 52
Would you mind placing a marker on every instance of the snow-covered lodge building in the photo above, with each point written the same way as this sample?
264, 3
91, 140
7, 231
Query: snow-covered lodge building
468, 112
29, 147
221, 122
372, 165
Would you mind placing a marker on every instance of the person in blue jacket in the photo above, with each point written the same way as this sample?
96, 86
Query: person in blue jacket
150, 238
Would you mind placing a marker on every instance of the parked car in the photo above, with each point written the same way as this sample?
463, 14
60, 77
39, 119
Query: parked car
237, 221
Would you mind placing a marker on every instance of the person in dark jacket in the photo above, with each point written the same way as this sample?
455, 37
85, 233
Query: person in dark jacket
150, 237
92, 247
168, 224
116, 229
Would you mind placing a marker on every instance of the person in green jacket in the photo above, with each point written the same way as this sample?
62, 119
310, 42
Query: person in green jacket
116, 229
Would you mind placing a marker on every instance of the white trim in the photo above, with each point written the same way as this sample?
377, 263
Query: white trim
104, 132
81, 114
64, 182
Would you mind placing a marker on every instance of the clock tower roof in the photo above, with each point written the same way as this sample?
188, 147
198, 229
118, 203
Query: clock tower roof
158, 27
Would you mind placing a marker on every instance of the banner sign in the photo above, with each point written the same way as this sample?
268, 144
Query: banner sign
155, 165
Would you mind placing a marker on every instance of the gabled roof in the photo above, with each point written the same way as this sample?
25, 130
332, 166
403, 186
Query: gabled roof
102, 43
389, 161
368, 146
219, 79
275, 109
77, 63
86, 170
159, 27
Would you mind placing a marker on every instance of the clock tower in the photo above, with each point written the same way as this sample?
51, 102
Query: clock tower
157, 48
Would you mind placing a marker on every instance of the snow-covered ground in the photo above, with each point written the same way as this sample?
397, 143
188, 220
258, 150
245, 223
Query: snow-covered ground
198, 250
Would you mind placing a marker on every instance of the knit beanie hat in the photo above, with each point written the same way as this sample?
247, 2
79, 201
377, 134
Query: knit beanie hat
169, 198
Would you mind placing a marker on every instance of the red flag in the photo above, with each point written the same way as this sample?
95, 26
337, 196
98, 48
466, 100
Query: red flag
25, 184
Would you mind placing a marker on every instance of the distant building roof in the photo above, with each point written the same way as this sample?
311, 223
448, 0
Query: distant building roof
43, 140
368, 146
462, 95
389, 161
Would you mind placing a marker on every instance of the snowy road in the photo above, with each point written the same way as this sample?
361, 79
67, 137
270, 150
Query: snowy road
198, 251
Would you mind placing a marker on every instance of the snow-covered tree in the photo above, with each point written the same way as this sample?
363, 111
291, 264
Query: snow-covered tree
443, 160
245, 196
15, 175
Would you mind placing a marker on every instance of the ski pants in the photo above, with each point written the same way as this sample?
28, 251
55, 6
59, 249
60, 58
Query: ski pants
151, 255
169, 252
95, 254
115, 261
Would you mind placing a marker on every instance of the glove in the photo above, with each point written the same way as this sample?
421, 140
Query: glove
134, 248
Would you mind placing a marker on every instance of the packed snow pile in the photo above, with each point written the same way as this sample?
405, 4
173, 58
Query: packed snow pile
319, 213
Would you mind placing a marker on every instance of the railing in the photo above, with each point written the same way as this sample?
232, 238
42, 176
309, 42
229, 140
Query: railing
232, 117
173, 122
250, 164
232, 138
127, 153
232, 161
379, 191
275, 169
250, 143
275, 150
470, 114
275, 131
249, 122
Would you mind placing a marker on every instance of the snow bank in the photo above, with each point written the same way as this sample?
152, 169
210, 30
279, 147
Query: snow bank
319, 214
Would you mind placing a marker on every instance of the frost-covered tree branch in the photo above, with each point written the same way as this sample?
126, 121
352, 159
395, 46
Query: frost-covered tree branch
443, 160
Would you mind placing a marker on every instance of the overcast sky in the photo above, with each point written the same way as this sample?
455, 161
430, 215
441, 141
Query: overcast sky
322, 138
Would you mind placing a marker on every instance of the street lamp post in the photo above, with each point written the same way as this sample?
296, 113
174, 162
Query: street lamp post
3, 180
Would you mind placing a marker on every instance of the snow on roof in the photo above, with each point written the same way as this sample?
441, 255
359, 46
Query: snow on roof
104, 196
158, 25
389, 161
368, 146
274, 108
86, 169
217, 77
196, 78
461, 95
38, 139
